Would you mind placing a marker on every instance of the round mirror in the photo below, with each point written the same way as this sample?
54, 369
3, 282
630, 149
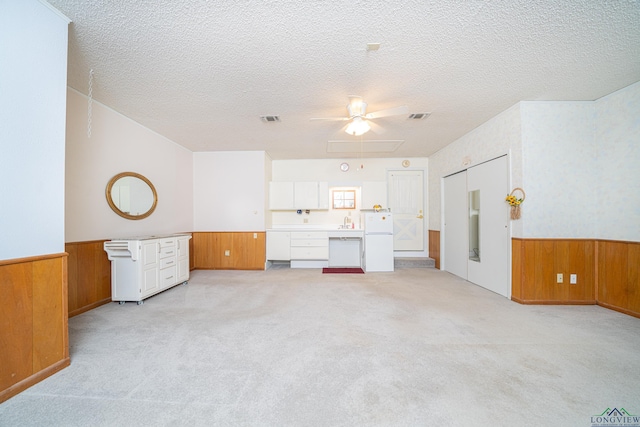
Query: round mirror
131, 195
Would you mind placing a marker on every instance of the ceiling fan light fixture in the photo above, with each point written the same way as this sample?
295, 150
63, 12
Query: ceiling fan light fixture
357, 107
358, 127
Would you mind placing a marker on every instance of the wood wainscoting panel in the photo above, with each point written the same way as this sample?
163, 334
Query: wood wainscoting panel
223, 243
34, 335
618, 277
246, 252
633, 279
537, 262
576, 257
538, 283
203, 250
49, 302
250, 251
517, 248
89, 276
16, 323
434, 246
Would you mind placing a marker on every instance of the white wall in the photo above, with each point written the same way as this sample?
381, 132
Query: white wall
118, 144
499, 136
268, 174
560, 170
577, 161
360, 170
33, 78
329, 169
229, 191
618, 160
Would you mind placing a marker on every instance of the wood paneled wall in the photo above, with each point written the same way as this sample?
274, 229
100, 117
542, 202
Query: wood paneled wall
618, 285
434, 246
536, 263
34, 335
247, 250
607, 272
89, 276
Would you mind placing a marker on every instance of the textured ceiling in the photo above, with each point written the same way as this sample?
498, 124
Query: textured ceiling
202, 72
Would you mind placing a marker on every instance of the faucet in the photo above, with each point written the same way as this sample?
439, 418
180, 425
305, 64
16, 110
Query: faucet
345, 222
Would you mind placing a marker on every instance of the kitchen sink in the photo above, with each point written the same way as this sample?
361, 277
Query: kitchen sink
346, 232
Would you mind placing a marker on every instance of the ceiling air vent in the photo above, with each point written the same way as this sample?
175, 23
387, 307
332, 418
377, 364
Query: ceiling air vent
419, 116
268, 119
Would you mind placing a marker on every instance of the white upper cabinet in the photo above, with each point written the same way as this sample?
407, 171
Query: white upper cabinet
305, 195
323, 195
287, 195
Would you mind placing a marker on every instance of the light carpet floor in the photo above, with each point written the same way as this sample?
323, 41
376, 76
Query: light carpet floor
294, 347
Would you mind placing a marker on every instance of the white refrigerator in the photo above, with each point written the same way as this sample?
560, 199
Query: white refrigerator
378, 241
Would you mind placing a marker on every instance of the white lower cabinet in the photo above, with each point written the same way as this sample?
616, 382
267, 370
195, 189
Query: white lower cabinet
305, 249
143, 266
278, 246
183, 258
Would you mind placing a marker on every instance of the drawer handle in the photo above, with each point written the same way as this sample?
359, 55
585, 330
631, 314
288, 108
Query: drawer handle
169, 253
170, 262
169, 277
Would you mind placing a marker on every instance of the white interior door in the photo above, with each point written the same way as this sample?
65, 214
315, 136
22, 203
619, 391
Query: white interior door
488, 266
406, 195
456, 240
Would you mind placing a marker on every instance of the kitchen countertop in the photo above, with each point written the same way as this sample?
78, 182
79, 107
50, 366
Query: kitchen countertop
332, 231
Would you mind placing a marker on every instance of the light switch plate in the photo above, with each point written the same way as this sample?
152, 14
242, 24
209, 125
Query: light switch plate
559, 278
573, 279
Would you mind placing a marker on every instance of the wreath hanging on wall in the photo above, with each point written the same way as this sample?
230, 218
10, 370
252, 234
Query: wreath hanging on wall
515, 202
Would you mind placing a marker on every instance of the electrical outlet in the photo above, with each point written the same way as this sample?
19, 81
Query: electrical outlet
255, 235
227, 252
559, 278
573, 279
305, 220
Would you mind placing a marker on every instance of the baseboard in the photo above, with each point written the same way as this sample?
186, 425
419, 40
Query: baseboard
553, 302
619, 309
89, 307
33, 379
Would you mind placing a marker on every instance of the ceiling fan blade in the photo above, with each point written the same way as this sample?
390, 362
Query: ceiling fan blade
376, 128
334, 119
396, 111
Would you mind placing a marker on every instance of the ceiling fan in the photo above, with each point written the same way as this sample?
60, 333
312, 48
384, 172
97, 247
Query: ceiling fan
361, 120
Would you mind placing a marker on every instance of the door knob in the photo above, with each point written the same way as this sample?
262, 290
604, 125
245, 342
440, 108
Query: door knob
419, 217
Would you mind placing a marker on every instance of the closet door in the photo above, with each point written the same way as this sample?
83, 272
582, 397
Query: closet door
488, 260
456, 236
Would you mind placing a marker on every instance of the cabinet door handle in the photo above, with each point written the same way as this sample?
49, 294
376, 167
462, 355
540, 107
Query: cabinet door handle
158, 245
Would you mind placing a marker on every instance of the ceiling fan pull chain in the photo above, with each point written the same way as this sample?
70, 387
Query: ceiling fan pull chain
90, 102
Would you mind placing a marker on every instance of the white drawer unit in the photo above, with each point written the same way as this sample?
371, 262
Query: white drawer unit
310, 252
144, 266
309, 249
309, 235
